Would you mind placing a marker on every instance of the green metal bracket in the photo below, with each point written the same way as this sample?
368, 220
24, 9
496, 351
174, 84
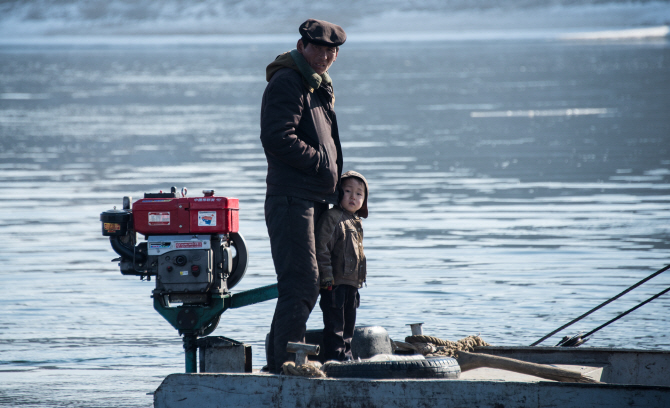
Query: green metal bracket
192, 318
249, 297
196, 320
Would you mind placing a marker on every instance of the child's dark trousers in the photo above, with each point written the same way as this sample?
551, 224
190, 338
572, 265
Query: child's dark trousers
339, 319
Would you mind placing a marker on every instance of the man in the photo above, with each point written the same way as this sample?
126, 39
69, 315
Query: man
302, 146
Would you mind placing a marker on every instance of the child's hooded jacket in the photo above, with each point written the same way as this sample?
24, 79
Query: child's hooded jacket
339, 243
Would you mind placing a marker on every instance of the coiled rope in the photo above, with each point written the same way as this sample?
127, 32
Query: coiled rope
433, 346
311, 369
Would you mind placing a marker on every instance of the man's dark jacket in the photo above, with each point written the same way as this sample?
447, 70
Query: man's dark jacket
299, 134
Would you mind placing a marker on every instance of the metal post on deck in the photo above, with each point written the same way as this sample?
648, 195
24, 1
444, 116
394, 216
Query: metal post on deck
417, 330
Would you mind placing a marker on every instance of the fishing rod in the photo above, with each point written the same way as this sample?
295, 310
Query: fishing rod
604, 304
626, 312
580, 339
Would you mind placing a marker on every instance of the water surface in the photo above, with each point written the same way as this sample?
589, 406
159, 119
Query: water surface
514, 186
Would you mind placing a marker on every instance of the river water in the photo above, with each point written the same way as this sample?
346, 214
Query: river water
514, 185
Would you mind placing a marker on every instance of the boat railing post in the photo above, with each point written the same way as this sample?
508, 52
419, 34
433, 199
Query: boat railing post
417, 330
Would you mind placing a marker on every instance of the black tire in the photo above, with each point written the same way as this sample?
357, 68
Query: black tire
431, 367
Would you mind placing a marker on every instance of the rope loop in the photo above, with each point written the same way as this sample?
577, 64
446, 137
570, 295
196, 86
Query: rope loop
305, 370
431, 346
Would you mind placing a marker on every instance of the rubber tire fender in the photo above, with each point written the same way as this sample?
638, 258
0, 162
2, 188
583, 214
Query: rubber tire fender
431, 367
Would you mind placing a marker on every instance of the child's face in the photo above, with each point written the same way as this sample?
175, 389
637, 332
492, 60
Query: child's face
354, 194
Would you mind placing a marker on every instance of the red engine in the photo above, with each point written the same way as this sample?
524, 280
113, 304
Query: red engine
193, 245
186, 215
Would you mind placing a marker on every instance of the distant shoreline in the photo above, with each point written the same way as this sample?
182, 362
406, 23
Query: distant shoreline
251, 21
611, 34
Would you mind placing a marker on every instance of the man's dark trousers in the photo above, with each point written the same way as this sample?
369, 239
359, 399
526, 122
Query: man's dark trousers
291, 223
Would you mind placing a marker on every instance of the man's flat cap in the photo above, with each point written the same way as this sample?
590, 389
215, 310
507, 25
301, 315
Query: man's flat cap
322, 33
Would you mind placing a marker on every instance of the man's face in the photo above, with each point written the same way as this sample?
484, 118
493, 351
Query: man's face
354, 194
319, 57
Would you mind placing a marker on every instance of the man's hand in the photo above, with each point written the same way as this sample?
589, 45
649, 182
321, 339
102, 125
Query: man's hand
327, 284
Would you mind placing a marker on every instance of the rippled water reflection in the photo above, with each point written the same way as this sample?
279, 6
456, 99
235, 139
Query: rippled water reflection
513, 187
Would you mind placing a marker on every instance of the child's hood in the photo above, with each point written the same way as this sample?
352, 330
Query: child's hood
363, 212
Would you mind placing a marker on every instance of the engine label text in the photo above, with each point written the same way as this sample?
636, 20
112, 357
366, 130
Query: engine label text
159, 218
188, 244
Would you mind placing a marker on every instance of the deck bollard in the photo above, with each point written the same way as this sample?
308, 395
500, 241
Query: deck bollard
301, 351
416, 329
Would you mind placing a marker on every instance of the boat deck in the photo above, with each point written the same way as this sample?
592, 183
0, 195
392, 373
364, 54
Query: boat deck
493, 374
633, 378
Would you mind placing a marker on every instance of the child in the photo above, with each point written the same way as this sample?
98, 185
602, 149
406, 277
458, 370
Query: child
339, 253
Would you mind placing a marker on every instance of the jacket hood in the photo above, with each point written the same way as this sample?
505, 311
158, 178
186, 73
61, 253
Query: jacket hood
363, 212
294, 60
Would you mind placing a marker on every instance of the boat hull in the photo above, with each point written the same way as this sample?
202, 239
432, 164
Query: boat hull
632, 378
